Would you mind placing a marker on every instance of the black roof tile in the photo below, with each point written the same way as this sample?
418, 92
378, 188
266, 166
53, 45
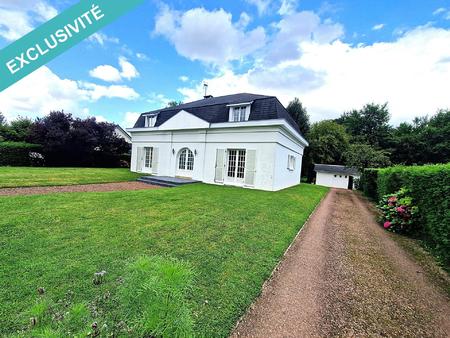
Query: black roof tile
215, 110
335, 169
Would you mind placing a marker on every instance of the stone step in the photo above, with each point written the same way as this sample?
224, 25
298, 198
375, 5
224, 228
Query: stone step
166, 181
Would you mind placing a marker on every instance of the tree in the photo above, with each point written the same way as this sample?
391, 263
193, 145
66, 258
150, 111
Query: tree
18, 130
299, 114
426, 140
2, 119
68, 141
369, 125
362, 156
174, 103
328, 142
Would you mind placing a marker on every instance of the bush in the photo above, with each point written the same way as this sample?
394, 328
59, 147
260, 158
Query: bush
154, 295
429, 189
399, 213
368, 183
17, 153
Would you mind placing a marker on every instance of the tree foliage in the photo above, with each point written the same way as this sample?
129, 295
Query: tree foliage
328, 141
362, 156
300, 115
425, 140
368, 125
68, 141
174, 103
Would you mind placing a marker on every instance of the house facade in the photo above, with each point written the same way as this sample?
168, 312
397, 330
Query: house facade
244, 140
336, 176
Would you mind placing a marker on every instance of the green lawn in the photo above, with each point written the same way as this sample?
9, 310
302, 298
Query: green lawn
231, 237
11, 177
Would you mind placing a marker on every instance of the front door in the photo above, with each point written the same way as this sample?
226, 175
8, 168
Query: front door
235, 166
147, 160
185, 163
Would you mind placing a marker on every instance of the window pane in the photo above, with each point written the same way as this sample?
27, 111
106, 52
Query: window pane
231, 163
241, 164
182, 160
148, 157
190, 160
242, 115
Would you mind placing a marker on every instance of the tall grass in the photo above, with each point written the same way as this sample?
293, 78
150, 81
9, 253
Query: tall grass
154, 297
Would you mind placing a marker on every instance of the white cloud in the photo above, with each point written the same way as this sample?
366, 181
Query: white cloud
142, 56
411, 73
296, 28
209, 36
95, 92
100, 118
130, 119
261, 5
287, 7
109, 73
102, 38
106, 73
439, 11
184, 78
43, 91
19, 17
39, 93
378, 27
45, 11
129, 71
159, 100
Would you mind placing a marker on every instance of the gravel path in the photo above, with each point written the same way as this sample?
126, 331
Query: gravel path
345, 276
78, 188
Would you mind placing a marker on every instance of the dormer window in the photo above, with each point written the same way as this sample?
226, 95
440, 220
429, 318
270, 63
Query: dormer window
150, 120
239, 112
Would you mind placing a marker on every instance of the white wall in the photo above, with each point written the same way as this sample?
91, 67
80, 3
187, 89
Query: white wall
283, 177
272, 148
329, 180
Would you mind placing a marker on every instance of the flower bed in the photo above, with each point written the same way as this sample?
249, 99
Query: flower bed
399, 213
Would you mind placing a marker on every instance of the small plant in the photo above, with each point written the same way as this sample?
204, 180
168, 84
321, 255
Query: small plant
38, 312
99, 277
399, 213
154, 295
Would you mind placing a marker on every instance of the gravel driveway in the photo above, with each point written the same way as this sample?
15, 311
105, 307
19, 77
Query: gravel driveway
78, 188
345, 276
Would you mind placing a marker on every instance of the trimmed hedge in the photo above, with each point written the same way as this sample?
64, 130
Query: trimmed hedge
17, 153
368, 183
429, 187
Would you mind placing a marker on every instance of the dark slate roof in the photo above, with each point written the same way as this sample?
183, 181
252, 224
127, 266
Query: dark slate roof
335, 169
215, 110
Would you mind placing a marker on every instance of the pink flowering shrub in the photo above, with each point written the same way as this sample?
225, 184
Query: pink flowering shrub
398, 212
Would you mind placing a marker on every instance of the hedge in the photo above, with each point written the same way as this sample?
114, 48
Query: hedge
17, 153
368, 183
429, 187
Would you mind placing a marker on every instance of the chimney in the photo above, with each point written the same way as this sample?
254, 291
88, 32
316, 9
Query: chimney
205, 88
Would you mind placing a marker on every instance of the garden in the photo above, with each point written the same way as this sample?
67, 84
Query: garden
414, 201
166, 262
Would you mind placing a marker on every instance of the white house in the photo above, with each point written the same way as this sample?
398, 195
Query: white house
244, 140
119, 132
336, 176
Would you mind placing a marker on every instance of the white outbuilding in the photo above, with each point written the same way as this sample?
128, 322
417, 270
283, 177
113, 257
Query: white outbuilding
243, 140
336, 176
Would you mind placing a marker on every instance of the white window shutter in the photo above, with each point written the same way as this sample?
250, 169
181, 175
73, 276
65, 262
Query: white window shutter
139, 158
220, 165
155, 160
250, 167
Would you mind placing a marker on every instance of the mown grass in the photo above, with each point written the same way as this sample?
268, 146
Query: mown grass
231, 237
11, 177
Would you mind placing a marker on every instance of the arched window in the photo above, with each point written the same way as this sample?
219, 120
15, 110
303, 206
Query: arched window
186, 159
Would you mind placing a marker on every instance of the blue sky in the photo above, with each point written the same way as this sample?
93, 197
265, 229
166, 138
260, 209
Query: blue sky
333, 55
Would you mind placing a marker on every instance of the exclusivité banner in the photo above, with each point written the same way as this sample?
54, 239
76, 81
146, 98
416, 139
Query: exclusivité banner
58, 35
